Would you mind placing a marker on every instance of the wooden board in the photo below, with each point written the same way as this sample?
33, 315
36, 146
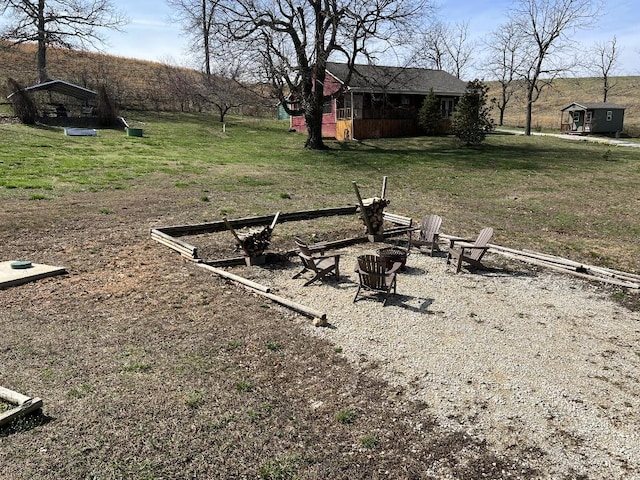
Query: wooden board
24, 405
10, 277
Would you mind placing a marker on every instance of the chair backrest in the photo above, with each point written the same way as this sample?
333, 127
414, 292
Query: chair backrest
430, 227
371, 270
305, 254
481, 241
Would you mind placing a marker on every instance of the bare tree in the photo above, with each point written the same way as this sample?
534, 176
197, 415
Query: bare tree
446, 47
460, 48
292, 41
61, 23
605, 62
432, 51
544, 26
503, 64
196, 17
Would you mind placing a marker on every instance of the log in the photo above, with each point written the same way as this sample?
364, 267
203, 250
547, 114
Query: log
236, 278
365, 217
293, 305
559, 268
12, 397
174, 243
264, 291
240, 242
24, 404
219, 226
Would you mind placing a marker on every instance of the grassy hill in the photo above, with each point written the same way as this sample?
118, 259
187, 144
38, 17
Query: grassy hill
141, 85
546, 111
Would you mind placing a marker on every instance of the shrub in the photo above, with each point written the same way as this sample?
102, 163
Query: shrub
430, 115
106, 111
24, 108
471, 120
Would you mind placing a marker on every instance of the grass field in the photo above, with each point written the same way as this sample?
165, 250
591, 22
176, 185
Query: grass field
576, 199
151, 368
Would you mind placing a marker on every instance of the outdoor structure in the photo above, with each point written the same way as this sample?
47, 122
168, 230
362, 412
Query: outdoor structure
585, 118
58, 108
381, 101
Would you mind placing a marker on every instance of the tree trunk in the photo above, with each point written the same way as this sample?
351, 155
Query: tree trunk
314, 132
313, 119
205, 40
527, 129
42, 44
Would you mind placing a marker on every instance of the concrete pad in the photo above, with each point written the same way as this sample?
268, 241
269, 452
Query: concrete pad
10, 277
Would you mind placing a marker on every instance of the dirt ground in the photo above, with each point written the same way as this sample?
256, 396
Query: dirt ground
150, 367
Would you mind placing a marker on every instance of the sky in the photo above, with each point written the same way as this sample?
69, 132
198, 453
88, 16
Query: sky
151, 35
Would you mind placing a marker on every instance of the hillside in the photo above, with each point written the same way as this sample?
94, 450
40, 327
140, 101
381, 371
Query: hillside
134, 84
546, 111
144, 85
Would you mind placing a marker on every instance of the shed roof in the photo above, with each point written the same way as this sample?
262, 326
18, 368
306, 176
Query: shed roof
65, 88
376, 78
591, 106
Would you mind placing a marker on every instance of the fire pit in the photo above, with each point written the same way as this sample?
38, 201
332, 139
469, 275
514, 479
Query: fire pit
391, 255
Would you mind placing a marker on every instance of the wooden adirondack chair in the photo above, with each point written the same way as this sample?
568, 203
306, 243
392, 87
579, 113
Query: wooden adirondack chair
429, 233
374, 275
320, 265
471, 253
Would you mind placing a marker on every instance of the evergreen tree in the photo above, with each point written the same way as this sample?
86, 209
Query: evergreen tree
471, 120
430, 116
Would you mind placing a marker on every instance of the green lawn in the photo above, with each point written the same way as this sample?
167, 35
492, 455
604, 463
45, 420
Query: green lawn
576, 199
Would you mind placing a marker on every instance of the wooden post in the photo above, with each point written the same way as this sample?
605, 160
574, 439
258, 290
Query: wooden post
235, 278
231, 229
384, 188
367, 221
275, 220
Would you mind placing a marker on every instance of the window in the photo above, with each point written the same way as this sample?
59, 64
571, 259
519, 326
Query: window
609, 115
446, 105
588, 117
327, 107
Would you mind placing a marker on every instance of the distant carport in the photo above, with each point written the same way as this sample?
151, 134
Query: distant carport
64, 88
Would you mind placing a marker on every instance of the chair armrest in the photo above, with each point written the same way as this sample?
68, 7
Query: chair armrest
471, 247
460, 242
394, 268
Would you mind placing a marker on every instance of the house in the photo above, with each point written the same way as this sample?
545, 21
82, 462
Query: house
381, 101
585, 118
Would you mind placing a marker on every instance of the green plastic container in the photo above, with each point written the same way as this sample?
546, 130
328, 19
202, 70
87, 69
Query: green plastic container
134, 132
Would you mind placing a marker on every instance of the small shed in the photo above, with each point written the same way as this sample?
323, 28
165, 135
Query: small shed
586, 118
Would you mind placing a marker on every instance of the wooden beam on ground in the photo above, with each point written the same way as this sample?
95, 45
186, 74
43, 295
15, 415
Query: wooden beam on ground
235, 278
24, 404
264, 291
219, 226
310, 312
565, 265
179, 246
575, 273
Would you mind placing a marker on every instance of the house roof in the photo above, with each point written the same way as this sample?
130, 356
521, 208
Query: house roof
376, 78
572, 107
65, 88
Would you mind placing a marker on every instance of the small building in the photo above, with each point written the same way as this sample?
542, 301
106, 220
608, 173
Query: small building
586, 118
381, 101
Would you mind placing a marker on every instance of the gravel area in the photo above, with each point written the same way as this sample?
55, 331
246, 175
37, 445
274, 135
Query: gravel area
528, 361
